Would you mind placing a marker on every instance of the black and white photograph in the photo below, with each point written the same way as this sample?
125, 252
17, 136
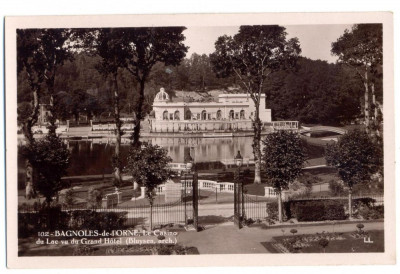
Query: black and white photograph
141, 136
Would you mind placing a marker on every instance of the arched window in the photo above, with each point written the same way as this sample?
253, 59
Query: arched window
165, 115
188, 115
232, 114
219, 115
204, 115
242, 114
176, 115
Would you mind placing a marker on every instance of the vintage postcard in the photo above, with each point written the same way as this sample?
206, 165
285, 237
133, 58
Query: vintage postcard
259, 139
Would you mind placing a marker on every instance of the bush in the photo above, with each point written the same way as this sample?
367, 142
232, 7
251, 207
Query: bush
315, 210
359, 202
94, 198
310, 212
43, 219
93, 220
272, 211
371, 213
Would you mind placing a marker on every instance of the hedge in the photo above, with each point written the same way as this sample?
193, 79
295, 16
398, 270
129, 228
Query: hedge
315, 210
50, 219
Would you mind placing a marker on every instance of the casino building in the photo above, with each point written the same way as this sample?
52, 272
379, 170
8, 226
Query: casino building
231, 112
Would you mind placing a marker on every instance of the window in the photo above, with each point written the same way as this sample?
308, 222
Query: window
242, 114
176, 115
188, 115
219, 115
165, 115
204, 115
232, 114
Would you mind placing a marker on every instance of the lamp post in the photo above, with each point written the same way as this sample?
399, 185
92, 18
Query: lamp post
238, 190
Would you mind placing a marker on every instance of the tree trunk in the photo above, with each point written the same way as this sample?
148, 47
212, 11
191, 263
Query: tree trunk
376, 122
52, 118
118, 124
280, 207
350, 208
366, 103
29, 190
138, 113
27, 128
257, 147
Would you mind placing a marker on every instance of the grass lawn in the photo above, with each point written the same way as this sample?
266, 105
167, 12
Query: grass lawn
346, 244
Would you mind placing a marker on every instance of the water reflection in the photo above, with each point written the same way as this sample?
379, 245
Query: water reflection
92, 157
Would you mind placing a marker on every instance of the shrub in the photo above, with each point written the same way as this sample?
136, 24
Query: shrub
69, 199
359, 202
360, 227
334, 211
94, 198
161, 237
93, 220
293, 231
272, 211
315, 210
323, 243
44, 219
371, 213
310, 211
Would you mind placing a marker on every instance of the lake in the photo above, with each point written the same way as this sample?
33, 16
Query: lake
93, 157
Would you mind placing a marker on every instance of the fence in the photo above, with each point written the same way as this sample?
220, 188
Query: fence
378, 199
254, 208
164, 213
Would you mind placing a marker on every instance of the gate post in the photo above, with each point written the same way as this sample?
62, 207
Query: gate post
195, 202
238, 200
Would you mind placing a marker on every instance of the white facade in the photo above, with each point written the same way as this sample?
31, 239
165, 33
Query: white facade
230, 107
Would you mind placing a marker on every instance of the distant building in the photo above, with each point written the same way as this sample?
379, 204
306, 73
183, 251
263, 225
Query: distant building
230, 112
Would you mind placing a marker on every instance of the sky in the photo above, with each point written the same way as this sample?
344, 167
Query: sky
315, 40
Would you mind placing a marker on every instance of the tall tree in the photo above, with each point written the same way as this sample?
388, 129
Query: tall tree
55, 48
148, 164
361, 48
356, 158
283, 160
109, 45
30, 61
145, 47
252, 55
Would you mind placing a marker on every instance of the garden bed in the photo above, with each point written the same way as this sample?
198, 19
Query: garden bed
337, 243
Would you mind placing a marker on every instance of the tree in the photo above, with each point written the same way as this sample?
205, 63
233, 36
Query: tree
356, 158
252, 55
148, 165
55, 50
361, 48
283, 160
110, 47
315, 92
30, 62
50, 159
144, 48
